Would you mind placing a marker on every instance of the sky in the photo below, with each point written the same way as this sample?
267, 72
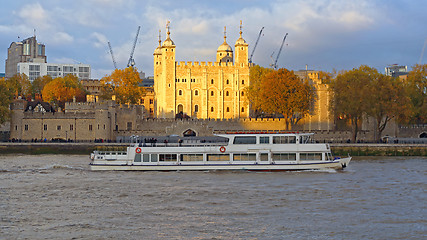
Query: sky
325, 35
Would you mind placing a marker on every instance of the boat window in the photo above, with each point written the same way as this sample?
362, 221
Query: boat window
284, 139
244, 157
264, 140
310, 156
218, 157
191, 157
284, 156
153, 157
304, 139
245, 140
263, 156
167, 157
146, 157
137, 158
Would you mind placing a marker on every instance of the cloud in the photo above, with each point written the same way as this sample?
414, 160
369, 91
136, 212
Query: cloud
35, 15
100, 40
62, 38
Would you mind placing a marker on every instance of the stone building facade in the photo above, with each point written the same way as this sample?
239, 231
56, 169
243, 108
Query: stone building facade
199, 89
79, 121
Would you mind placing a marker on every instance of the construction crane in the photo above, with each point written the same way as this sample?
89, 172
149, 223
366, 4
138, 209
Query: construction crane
274, 65
131, 61
256, 43
422, 52
112, 55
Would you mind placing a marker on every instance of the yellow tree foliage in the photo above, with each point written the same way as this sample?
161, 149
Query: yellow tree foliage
5, 97
19, 85
63, 89
124, 84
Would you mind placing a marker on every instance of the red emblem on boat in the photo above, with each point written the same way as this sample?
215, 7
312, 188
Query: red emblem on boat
138, 150
222, 149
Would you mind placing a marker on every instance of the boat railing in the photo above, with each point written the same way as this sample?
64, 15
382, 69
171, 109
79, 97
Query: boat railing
163, 144
111, 152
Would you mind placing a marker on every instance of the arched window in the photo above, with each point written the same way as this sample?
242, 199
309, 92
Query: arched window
227, 94
212, 93
196, 108
180, 92
212, 109
212, 81
228, 82
228, 109
243, 109
243, 93
196, 93
243, 81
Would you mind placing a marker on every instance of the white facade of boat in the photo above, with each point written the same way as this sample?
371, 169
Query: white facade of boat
237, 151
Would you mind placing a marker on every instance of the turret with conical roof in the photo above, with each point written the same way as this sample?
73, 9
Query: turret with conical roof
224, 52
241, 48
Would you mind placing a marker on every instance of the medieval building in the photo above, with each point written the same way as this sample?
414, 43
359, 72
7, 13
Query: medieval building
199, 89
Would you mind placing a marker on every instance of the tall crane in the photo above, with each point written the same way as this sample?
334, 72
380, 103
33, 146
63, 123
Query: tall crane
274, 65
112, 55
131, 61
422, 52
256, 43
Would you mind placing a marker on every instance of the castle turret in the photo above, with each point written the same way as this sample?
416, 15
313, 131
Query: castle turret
224, 52
241, 48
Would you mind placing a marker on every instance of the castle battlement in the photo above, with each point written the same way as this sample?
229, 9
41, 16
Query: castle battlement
196, 64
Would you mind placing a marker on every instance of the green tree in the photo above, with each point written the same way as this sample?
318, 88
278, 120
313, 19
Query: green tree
386, 100
417, 91
281, 92
63, 89
5, 97
38, 84
124, 85
350, 90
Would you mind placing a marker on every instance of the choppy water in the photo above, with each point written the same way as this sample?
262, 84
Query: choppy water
57, 197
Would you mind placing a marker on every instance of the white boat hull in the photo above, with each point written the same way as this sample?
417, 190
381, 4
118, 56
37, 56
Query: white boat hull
336, 164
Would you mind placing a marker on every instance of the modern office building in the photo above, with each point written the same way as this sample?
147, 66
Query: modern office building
28, 50
35, 70
396, 70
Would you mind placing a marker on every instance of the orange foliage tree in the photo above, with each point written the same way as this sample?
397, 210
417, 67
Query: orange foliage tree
281, 92
39, 83
63, 89
124, 85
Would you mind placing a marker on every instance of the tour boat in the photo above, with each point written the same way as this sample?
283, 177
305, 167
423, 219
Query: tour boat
251, 151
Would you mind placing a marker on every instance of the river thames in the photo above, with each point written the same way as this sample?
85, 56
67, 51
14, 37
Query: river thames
58, 197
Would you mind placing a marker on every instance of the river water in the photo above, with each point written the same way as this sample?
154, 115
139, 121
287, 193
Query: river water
58, 197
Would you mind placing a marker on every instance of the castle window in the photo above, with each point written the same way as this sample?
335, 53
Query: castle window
58, 127
90, 127
243, 109
196, 108
212, 93
141, 101
45, 127
242, 48
151, 101
220, 54
71, 127
26, 127
166, 49
180, 92
243, 93
212, 82
151, 111
196, 93
243, 81
98, 126
104, 126
228, 82
228, 109
227, 94
212, 109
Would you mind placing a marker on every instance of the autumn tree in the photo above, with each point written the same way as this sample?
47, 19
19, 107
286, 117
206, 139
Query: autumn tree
350, 90
19, 85
39, 83
124, 85
386, 100
417, 91
281, 92
63, 89
257, 76
6, 96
